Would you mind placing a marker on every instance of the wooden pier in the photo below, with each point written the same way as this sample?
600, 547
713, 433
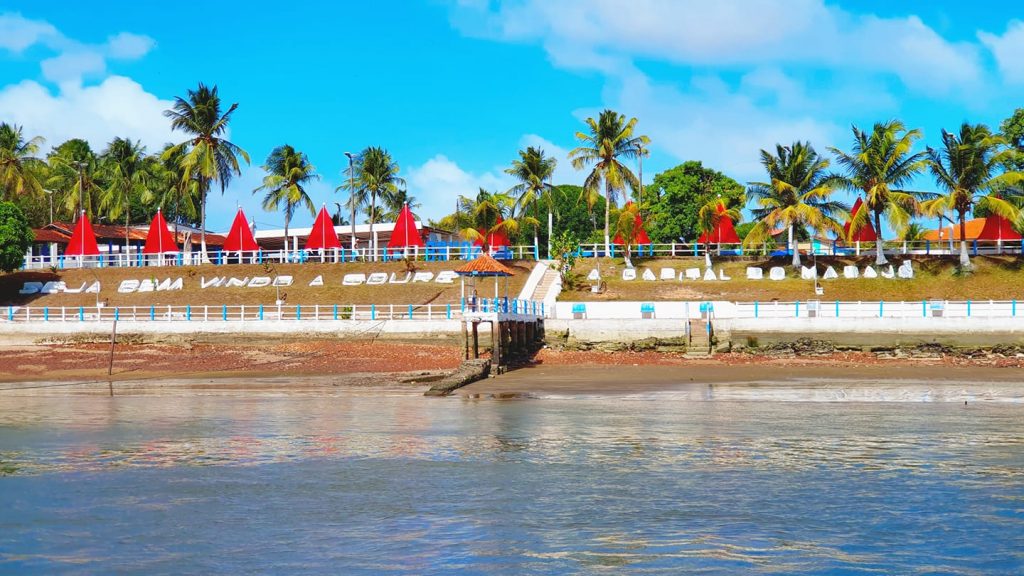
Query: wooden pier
511, 336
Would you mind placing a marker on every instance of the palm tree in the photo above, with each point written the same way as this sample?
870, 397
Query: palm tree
880, 165
610, 139
626, 228
376, 175
533, 171
973, 167
913, 232
18, 162
180, 200
75, 171
484, 213
288, 170
208, 156
394, 203
123, 164
797, 194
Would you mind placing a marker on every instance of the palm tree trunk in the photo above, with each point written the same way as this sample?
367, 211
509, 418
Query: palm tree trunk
549, 232
373, 216
287, 218
202, 225
607, 217
879, 253
965, 258
793, 247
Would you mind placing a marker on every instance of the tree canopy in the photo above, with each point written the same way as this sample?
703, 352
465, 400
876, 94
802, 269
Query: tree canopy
676, 196
15, 237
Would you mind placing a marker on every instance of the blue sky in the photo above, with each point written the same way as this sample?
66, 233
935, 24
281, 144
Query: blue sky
454, 89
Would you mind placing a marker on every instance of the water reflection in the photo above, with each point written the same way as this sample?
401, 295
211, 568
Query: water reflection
399, 483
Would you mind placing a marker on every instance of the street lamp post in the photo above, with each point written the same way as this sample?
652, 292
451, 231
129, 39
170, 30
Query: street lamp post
351, 196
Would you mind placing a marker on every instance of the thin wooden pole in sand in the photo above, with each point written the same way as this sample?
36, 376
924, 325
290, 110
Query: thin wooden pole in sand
110, 365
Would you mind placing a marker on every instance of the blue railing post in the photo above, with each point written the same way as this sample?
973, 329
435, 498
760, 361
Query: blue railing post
968, 308
927, 247
298, 311
797, 308
462, 304
81, 314
541, 308
410, 311
837, 308
188, 312
261, 311
756, 309
881, 310
61, 261
224, 312
335, 311
117, 314
101, 260
975, 247
1013, 308
152, 312
924, 309
449, 311
46, 314
373, 311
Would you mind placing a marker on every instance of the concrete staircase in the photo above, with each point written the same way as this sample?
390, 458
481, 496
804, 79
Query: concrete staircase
549, 286
699, 345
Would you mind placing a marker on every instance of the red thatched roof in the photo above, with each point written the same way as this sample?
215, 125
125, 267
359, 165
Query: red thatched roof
484, 265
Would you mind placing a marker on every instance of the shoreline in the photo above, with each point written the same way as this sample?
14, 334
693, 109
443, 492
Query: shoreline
389, 367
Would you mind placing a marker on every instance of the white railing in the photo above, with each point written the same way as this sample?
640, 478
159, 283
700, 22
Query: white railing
506, 308
775, 310
438, 252
891, 248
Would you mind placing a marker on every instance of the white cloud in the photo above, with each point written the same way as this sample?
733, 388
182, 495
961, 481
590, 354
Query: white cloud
600, 35
1008, 51
129, 46
71, 67
438, 181
118, 106
18, 33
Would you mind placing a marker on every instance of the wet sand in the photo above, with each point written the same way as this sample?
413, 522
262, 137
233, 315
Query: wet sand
596, 379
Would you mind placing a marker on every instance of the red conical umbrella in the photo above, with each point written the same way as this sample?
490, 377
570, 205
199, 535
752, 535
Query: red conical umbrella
998, 228
323, 234
240, 237
159, 239
83, 239
866, 233
639, 235
724, 232
498, 238
405, 232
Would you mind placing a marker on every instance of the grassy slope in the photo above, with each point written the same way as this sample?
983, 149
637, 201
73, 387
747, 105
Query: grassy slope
997, 278
332, 292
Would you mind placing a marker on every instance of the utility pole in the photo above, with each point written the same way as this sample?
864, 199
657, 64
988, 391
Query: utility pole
640, 158
351, 196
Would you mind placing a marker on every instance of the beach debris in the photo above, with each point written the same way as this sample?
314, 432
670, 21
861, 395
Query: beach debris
470, 371
851, 272
830, 274
869, 272
648, 275
754, 273
777, 273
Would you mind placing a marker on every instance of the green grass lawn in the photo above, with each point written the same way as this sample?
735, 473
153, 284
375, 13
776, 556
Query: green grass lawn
996, 278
